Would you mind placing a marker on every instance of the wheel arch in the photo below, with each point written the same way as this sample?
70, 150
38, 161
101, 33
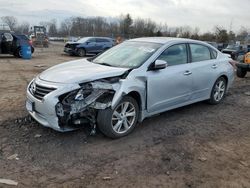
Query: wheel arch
81, 47
137, 97
225, 77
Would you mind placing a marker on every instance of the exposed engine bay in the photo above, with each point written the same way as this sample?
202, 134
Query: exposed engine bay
80, 106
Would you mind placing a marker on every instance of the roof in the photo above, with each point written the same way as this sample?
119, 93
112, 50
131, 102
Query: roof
163, 40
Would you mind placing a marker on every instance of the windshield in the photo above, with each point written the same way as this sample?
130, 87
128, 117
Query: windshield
82, 40
232, 47
128, 54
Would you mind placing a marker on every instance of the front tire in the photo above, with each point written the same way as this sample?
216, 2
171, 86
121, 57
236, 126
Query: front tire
241, 73
121, 120
81, 52
218, 91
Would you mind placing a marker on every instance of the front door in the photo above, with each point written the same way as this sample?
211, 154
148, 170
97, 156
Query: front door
170, 87
6, 44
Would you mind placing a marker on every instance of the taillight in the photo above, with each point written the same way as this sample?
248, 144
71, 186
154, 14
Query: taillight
233, 63
30, 42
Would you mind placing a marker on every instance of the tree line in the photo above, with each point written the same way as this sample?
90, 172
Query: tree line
124, 26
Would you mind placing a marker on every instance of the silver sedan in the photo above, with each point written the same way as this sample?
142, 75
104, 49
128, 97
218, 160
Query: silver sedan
129, 82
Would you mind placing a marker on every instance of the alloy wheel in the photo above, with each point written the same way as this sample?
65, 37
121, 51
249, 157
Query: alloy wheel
123, 117
219, 90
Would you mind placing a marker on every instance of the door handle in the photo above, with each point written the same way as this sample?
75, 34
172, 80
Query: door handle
187, 73
214, 66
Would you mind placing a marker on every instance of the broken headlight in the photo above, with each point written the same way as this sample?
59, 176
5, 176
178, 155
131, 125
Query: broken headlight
82, 93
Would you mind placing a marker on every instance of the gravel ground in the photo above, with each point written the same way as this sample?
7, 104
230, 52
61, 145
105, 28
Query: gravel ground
199, 145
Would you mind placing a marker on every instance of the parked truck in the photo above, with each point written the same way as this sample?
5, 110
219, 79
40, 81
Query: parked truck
39, 36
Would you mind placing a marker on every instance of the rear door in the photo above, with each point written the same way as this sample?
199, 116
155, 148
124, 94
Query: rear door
91, 45
204, 68
170, 87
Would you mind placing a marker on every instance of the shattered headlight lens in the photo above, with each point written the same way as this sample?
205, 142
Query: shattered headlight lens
79, 96
85, 90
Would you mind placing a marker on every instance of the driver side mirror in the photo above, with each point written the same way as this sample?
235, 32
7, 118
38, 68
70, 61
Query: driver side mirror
159, 64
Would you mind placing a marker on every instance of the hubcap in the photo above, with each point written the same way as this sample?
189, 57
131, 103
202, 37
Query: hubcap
81, 53
219, 90
123, 117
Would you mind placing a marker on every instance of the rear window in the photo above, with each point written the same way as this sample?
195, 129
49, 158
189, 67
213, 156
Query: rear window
199, 52
214, 54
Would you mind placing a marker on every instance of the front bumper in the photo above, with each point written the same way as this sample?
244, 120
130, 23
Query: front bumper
43, 111
69, 50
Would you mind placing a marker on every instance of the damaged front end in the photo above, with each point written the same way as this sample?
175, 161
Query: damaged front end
80, 106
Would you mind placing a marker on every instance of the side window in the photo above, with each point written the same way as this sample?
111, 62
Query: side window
7, 37
99, 40
102, 40
199, 52
214, 54
91, 40
175, 55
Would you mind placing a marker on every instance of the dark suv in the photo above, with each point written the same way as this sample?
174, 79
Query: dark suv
234, 50
11, 43
86, 45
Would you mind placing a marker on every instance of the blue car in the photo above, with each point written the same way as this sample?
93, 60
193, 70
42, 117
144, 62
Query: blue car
93, 45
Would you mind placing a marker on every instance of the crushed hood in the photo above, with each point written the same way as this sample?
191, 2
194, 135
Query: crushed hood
73, 42
79, 71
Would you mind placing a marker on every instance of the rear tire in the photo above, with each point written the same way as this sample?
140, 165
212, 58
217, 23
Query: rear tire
241, 73
18, 53
81, 52
121, 120
218, 91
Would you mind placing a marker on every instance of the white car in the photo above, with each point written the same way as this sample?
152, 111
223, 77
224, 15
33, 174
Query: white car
129, 82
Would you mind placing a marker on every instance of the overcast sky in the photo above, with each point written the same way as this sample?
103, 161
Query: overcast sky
204, 14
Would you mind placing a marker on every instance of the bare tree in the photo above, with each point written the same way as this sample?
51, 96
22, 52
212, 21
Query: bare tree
66, 26
53, 28
207, 37
23, 28
126, 25
221, 34
242, 35
11, 21
195, 34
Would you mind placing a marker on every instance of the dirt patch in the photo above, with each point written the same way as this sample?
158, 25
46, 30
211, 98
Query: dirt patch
199, 145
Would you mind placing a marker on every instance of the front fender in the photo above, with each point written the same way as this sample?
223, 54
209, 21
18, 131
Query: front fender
130, 85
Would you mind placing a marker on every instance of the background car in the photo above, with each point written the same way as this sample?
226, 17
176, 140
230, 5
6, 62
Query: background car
127, 83
234, 50
248, 48
244, 67
11, 43
222, 46
93, 45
